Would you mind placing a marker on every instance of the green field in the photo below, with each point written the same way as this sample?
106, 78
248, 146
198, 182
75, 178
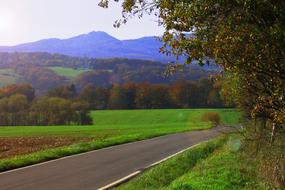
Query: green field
68, 72
7, 77
111, 123
216, 165
111, 128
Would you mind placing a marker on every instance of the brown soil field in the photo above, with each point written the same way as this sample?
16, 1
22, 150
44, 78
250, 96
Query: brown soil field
10, 147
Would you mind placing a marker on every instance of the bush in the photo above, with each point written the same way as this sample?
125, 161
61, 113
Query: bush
212, 117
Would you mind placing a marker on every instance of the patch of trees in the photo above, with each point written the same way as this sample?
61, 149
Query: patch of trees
41, 78
33, 68
65, 105
181, 94
19, 107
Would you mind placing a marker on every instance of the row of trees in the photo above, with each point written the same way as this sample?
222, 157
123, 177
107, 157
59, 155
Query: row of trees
19, 107
65, 105
181, 94
246, 38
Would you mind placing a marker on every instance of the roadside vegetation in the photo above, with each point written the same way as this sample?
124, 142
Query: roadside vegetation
111, 127
246, 39
216, 164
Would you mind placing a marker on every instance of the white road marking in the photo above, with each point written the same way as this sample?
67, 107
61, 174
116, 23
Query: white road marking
124, 179
115, 183
83, 153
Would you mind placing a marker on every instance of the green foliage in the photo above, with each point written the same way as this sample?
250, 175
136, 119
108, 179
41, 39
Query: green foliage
18, 107
216, 164
222, 170
245, 37
162, 175
58, 111
111, 128
13, 109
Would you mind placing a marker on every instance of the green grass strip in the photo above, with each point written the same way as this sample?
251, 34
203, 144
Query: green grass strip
224, 169
162, 175
51, 154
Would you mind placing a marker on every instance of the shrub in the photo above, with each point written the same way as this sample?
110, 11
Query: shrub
212, 117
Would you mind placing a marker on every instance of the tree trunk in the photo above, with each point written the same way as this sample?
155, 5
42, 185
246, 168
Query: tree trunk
273, 132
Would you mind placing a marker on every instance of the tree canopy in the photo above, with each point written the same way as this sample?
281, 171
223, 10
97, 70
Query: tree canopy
245, 37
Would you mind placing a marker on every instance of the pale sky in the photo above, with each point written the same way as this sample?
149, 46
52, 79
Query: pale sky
30, 20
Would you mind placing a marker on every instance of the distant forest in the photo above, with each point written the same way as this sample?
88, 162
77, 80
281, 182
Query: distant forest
53, 89
35, 69
66, 106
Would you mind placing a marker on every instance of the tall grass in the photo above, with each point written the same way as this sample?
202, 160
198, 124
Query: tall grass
162, 175
214, 165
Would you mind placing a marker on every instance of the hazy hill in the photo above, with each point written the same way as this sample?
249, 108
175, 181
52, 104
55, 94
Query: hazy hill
45, 71
96, 45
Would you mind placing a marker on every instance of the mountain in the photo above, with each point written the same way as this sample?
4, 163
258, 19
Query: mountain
96, 45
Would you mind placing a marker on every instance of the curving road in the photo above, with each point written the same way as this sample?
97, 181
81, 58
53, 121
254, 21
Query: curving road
96, 169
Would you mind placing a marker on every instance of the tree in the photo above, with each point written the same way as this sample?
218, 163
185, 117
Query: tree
118, 98
59, 111
149, 96
97, 97
180, 92
81, 113
14, 110
67, 92
245, 37
24, 89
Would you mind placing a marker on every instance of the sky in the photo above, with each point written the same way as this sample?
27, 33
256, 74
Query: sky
31, 20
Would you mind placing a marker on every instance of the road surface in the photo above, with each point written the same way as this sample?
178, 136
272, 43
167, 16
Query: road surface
96, 169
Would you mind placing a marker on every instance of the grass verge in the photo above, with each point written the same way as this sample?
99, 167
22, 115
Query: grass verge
50, 154
214, 165
162, 175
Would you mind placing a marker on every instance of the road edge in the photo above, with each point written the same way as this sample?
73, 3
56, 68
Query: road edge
136, 173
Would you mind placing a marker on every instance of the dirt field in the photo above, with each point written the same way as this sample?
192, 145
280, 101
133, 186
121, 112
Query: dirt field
10, 147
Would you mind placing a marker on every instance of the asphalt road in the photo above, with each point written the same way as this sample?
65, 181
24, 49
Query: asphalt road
96, 169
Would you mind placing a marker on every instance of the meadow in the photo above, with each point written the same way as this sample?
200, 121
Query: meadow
7, 77
126, 122
111, 127
68, 72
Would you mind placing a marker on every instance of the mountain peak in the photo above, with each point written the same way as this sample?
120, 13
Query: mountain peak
100, 34
95, 36
96, 44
